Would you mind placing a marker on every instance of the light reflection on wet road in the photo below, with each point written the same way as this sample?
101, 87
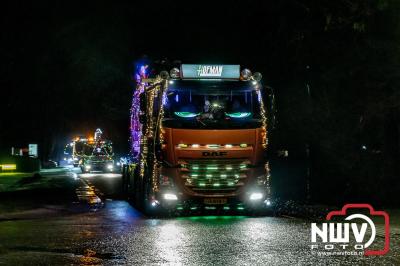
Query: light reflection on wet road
117, 234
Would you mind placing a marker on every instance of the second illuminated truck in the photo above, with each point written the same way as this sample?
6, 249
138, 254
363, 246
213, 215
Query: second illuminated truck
199, 136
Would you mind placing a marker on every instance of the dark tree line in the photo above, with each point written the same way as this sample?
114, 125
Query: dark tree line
349, 114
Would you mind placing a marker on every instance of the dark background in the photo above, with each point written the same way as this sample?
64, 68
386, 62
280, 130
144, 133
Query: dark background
66, 69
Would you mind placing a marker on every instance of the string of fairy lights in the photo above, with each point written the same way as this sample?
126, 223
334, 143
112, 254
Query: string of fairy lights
264, 121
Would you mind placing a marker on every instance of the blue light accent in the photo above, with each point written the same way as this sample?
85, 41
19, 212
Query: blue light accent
177, 98
186, 114
239, 114
164, 99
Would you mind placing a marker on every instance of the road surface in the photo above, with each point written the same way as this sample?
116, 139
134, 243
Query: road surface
116, 234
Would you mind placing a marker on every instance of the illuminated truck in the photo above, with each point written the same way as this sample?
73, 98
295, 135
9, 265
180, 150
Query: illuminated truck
198, 136
97, 154
91, 153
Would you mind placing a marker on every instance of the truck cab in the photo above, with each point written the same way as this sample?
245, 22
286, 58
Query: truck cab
202, 132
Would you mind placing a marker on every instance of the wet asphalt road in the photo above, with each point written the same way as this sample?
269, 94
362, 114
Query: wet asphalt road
118, 234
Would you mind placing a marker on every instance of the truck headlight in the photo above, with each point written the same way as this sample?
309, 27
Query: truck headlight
170, 196
110, 166
256, 196
88, 166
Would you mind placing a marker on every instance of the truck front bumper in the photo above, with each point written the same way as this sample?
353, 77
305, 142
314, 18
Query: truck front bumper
254, 194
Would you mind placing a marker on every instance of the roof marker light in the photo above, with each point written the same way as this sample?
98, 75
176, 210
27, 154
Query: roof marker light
213, 146
245, 74
174, 73
257, 76
181, 145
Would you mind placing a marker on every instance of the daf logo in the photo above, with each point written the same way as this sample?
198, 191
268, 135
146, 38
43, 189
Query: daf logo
214, 153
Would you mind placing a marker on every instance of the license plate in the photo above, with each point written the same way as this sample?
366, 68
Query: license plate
215, 201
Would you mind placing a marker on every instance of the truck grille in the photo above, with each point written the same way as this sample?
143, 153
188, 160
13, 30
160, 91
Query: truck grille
214, 175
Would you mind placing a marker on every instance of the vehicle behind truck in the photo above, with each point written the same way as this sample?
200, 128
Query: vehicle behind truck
199, 137
91, 153
99, 160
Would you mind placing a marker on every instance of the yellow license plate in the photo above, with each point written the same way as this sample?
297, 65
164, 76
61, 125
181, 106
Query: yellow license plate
215, 201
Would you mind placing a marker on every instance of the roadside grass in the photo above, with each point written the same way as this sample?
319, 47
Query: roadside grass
9, 180
21, 191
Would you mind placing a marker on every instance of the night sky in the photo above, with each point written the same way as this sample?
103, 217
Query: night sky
66, 69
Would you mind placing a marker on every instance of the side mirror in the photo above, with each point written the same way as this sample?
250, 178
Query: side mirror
142, 100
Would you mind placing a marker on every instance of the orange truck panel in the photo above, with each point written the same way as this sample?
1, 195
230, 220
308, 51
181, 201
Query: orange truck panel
202, 137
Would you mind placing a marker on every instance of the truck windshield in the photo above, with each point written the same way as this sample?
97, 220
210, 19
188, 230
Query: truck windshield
82, 148
207, 104
86, 149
